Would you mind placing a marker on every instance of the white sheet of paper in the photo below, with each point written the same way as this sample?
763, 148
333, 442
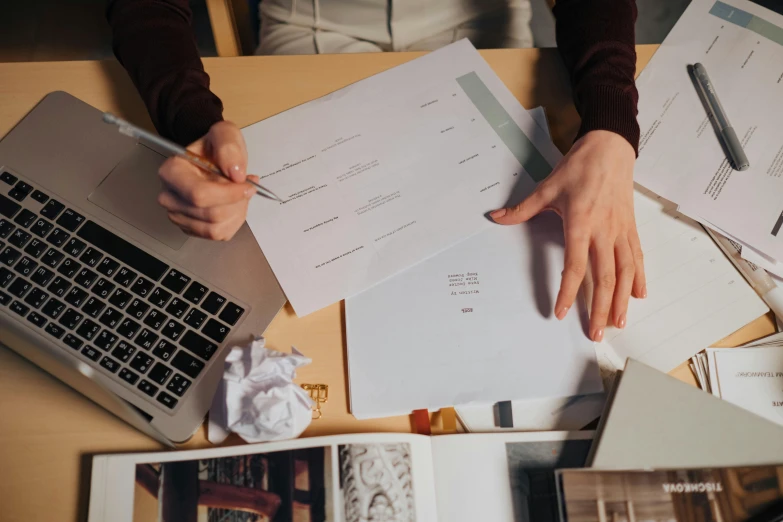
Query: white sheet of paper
751, 378
695, 295
472, 325
680, 157
387, 172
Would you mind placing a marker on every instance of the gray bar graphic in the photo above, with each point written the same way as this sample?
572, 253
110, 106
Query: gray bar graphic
777, 226
505, 127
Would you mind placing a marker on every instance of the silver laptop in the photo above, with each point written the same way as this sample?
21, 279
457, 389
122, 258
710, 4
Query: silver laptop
101, 290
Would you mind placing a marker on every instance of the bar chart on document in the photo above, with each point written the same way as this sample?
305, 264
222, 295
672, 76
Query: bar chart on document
388, 172
741, 45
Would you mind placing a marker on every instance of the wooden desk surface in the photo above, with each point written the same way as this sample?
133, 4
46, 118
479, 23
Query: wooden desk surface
48, 431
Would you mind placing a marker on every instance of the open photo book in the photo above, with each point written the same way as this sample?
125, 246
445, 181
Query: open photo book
346, 478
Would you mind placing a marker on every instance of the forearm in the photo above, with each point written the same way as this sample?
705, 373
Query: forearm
597, 42
154, 42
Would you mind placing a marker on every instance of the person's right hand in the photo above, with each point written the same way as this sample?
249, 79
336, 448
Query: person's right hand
203, 204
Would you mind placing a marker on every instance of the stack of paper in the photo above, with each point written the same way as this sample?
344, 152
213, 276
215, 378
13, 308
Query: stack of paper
681, 158
750, 377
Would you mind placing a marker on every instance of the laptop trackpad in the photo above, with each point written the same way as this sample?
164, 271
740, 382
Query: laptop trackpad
130, 192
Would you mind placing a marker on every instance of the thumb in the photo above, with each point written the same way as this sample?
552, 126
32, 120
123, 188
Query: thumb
520, 213
227, 149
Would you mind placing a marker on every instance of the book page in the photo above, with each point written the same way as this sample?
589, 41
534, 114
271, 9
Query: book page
352, 478
503, 477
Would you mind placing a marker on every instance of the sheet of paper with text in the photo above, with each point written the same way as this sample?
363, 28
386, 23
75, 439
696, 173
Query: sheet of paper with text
387, 172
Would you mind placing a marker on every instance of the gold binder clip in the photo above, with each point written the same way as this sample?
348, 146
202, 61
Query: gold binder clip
320, 394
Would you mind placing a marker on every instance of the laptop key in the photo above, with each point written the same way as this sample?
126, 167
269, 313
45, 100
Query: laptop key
175, 281
198, 345
7, 207
6, 227
37, 319
167, 400
177, 308
53, 308
7, 177
146, 339
19, 238
124, 351
41, 228
142, 287
195, 318
24, 187
72, 341
19, 287
159, 297
26, 266
164, 350
111, 318
215, 330
120, 298
70, 318
69, 268
90, 257
85, 277
41, 277
5, 299
17, 194
125, 276
93, 307
19, 308
9, 256
52, 209
76, 297
195, 292
141, 363
109, 364
54, 330
231, 313
137, 308
59, 286
36, 297
52, 257
70, 219
128, 328
105, 340
148, 388
74, 247
58, 237
25, 218
173, 330
91, 353
39, 196
128, 376
88, 329
155, 319
159, 373
35, 248
128, 253
103, 288
108, 266
187, 364
5, 277
178, 385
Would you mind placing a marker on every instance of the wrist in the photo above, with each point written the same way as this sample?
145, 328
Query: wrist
612, 109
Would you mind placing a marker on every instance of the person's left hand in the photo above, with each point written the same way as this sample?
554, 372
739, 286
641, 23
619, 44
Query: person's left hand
592, 191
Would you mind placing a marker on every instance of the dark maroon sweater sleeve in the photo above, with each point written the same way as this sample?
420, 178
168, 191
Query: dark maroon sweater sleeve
154, 41
597, 42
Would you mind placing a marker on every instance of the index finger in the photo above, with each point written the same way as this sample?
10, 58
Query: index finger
200, 189
576, 247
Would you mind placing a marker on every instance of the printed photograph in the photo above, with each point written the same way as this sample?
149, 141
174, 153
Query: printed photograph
376, 483
702, 495
531, 466
284, 486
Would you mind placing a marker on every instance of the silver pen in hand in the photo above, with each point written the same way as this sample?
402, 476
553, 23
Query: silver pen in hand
718, 115
201, 162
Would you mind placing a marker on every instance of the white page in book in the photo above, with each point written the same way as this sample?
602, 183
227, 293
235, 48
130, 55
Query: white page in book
503, 478
695, 295
387, 172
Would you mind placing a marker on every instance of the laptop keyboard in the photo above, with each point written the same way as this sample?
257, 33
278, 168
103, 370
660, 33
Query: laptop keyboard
126, 312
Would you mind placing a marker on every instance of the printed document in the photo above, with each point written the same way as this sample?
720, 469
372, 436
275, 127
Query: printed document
680, 156
387, 172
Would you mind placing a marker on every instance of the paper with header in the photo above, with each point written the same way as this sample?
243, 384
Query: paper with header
680, 157
387, 172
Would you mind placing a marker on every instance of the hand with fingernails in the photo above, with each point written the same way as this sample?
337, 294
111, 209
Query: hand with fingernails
203, 204
592, 191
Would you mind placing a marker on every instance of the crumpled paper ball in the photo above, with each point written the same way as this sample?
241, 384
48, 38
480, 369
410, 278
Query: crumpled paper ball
257, 398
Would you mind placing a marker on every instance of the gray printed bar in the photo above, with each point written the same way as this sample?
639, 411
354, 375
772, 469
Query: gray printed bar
505, 127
